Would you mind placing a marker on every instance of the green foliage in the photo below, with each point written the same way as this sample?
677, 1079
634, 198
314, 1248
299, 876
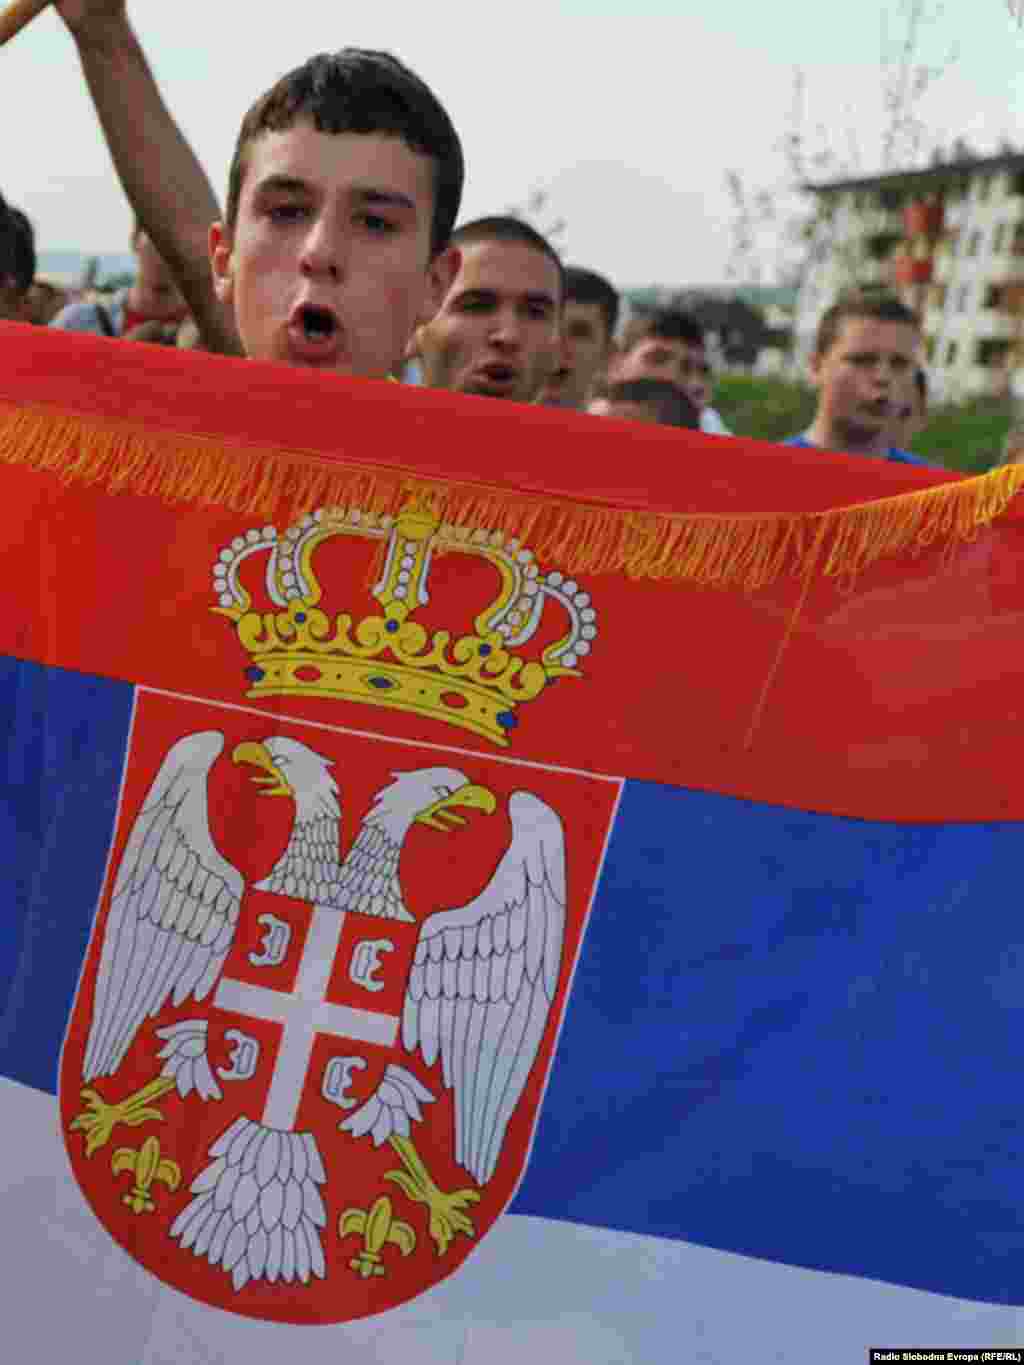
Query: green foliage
967, 437
763, 406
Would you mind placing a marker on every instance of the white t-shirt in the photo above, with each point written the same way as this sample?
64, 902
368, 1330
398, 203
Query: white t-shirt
711, 422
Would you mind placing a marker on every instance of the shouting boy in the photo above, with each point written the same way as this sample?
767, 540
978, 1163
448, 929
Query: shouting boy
342, 194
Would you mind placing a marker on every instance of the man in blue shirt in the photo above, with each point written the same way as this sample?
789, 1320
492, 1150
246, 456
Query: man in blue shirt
863, 366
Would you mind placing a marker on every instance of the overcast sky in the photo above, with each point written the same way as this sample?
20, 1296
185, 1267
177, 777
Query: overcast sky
628, 111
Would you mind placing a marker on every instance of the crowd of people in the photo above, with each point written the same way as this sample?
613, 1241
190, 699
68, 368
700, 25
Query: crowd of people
338, 249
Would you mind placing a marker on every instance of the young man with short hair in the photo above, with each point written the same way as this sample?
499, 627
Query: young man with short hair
344, 186
17, 263
864, 358
152, 297
647, 400
669, 345
590, 314
497, 332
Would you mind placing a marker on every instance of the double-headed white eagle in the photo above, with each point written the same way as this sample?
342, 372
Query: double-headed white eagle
478, 997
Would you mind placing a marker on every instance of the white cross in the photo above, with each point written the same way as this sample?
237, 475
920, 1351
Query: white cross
303, 1014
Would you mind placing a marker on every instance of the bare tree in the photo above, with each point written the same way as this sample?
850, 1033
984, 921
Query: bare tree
779, 229
535, 211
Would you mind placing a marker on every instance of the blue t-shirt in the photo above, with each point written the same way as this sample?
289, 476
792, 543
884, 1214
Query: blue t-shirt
894, 454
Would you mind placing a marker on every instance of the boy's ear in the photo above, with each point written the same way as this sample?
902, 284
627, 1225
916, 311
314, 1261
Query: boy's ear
441, 273
222, 265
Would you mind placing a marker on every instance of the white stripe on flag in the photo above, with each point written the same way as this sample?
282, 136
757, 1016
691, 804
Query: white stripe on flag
534, 1289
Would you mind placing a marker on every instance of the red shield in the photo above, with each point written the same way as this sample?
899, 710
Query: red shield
320, 1002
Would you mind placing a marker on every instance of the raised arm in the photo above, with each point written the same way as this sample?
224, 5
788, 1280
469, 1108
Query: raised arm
164, 182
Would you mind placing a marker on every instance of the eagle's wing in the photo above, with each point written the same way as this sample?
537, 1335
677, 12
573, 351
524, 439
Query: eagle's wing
483, 981
174, 909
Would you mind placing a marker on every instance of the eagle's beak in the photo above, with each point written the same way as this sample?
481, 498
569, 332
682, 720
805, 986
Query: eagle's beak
276, 784
471, 796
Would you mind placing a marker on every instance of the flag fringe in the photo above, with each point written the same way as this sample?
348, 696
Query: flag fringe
746, 552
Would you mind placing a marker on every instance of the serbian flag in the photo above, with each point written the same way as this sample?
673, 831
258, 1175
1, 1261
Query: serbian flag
484, 883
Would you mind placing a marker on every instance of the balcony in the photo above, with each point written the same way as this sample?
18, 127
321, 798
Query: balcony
1005, 292
924, 218
913, 270
993, 353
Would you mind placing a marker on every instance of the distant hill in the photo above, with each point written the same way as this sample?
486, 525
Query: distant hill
757, 296
67, 267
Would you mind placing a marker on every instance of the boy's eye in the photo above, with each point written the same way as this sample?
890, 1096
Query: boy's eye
286, 213
376, 223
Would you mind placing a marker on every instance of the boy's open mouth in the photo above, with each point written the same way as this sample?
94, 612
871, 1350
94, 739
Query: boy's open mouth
316, 322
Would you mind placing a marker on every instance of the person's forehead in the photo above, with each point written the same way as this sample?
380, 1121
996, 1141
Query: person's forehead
506, 268
336, 163
877, 334
576, 310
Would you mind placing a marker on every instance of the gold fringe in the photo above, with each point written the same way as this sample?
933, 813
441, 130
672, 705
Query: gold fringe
746, 552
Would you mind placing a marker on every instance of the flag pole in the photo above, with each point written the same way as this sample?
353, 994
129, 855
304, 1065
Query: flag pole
15, 16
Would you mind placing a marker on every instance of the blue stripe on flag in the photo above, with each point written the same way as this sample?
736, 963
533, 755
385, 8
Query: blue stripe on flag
64, 750
791, 1036
798, 1037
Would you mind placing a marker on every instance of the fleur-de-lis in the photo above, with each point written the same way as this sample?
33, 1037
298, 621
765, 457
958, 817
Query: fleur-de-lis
377, 1226
147, 1165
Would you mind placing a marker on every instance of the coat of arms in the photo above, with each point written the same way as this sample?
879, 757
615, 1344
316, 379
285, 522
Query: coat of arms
315, 1020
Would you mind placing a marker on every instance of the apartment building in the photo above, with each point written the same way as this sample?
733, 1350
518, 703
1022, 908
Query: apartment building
950, 240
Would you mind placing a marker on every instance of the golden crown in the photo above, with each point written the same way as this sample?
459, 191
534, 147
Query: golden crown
475, 681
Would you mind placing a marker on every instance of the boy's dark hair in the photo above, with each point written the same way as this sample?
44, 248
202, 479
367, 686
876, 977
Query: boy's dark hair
668, 324
503, 228
586, 286
360, 91
17, 248
875, 305
672, 406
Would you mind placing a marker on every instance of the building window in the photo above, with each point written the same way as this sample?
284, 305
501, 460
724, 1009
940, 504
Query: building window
973, 244
992, 351
963, 294
880, 245
891, 200
999, 240
951, 353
